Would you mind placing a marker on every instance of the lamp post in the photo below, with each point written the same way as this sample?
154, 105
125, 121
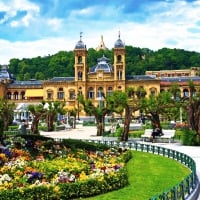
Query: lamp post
78, 117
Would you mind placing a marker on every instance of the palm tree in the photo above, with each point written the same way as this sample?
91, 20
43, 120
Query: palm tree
38, 112
6, 113
51, 110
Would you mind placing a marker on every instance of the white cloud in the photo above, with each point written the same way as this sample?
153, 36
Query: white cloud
33, 49
54, 23
13, 6
173, 25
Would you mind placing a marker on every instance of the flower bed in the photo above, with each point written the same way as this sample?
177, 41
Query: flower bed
45, 169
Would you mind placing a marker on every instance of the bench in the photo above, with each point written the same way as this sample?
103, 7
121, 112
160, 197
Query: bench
168, 135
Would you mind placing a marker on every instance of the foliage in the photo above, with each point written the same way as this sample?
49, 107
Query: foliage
156, 105
6, 114
51, 110
114, 102
58, 171
189, 138
144, 174
38, 113
138, 60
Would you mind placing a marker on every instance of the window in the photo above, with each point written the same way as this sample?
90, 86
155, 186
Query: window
91, 93
119, 58
23, 95
119, 75
71, 95
109, 92
153, 92
80, 75
79, 59
16, 95
185, 93
9, 95
60, 93
49, 94
100, 92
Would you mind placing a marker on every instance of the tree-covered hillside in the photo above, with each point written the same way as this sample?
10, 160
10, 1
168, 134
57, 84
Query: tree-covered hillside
138, 60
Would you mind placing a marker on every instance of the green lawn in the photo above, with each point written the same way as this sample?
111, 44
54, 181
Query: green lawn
148, 175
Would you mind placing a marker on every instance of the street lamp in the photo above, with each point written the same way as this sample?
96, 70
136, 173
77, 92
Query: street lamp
78, 105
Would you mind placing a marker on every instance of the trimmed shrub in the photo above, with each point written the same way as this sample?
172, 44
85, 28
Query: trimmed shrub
190, 138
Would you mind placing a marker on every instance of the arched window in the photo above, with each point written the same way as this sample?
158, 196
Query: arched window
79, 59
49, 94
80, 75
100, 92
185, 93
16, 95
109, 91
153, 91
119, 75
9, 95
72, 94
22, 95
60, 93
119, 58
91, 93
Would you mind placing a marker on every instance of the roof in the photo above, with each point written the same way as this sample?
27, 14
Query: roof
4, 73
167, 81
61, 79
180, 79
80, 45
119, 43
140, 77
30, 83
103, 64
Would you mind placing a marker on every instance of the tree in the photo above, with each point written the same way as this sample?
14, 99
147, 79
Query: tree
155, 105
98, 111
107, 105
6, 113
38, 113
51, 110
193, 109
131, 104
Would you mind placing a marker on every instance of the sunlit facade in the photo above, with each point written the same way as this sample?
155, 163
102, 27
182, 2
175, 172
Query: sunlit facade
91, 81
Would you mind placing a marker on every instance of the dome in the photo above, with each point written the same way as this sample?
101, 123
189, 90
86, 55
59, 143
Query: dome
119, 43
103, 64
4, 73
80, 45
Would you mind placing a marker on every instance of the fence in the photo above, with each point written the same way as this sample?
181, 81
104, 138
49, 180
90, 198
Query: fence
186, 188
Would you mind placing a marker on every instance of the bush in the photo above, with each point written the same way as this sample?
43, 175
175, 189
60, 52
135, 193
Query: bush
88, 123
75, 144
136, 133
190, 138
13, 127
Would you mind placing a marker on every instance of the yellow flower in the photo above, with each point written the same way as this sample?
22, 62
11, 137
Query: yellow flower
56, 189
82, 176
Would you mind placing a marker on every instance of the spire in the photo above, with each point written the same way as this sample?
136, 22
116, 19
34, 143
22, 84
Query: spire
81, 33
119, 34
101, 45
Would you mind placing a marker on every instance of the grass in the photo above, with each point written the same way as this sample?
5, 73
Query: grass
149, 174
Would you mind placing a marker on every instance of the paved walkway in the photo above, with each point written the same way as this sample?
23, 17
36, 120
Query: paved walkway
90, 133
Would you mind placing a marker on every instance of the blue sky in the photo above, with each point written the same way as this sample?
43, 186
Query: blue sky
30, 28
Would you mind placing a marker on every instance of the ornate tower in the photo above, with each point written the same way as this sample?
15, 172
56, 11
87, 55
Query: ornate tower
119, 60
80, 64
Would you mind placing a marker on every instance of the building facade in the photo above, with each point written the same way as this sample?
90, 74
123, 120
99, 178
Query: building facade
91, 81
